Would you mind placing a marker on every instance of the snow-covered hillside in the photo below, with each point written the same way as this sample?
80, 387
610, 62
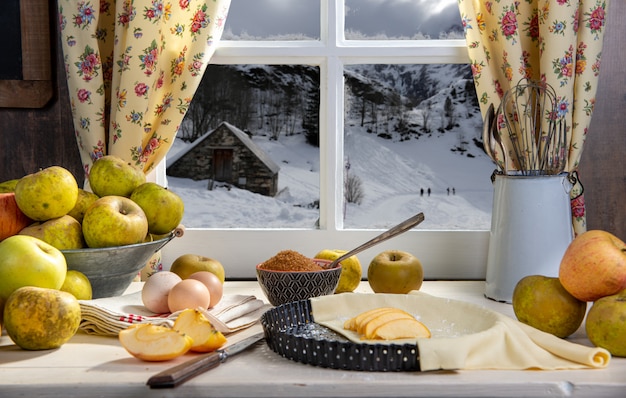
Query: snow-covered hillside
393, 164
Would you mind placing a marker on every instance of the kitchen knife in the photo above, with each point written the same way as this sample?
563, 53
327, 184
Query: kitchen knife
178, 374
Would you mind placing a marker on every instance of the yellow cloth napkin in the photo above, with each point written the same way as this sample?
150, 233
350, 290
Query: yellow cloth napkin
108, 316
464, 335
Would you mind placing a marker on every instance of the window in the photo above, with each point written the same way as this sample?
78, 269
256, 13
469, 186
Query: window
337, 47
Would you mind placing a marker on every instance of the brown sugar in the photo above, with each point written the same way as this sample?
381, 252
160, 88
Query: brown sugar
290, 260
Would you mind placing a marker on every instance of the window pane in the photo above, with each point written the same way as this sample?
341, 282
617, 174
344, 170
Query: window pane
273, 20
412, 142
402, 19
260, 169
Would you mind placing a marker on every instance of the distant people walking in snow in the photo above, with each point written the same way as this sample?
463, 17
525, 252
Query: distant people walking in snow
428, 191
448, 191
421, 191
453, 191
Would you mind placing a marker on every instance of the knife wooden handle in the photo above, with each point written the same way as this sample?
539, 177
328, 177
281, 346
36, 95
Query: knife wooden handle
176, 375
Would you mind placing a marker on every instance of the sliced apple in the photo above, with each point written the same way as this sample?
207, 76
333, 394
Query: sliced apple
352, 323
193, 323
150, 342
386, 323
361, 323
369, 331
406, 328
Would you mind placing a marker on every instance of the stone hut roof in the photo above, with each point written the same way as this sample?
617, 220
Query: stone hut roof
242, 136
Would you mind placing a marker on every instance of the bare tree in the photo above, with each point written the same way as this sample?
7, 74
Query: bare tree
353, 187
448, 112
426, 115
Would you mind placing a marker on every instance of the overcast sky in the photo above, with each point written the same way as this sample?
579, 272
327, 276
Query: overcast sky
393, 18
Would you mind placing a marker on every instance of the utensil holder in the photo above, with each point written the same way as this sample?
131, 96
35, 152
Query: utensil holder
531, 226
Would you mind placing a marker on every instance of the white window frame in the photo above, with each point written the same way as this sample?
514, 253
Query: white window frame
444, 254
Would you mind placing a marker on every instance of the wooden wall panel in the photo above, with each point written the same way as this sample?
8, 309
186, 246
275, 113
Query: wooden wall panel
31, 139
603, 163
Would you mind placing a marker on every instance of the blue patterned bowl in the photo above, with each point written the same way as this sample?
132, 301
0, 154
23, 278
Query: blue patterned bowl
281, 287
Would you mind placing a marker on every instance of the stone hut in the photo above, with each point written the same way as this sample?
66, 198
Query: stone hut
227, 155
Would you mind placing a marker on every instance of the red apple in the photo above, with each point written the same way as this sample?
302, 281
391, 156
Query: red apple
594, 266
12, 220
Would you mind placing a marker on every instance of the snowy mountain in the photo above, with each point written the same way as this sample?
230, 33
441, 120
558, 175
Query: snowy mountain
408, 129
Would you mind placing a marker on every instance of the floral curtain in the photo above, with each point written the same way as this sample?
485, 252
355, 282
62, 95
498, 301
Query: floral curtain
132, 69
556, 42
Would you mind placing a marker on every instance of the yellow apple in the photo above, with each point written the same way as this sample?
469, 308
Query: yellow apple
85, 199
542, 302
48, 193
606, 323
395, 271
351, 271
28, 261
594, 265
193, 323
164, 209
40, 319
12, 219
111, 175
150, 342
77, 284
187, 264
64, 233
114, 221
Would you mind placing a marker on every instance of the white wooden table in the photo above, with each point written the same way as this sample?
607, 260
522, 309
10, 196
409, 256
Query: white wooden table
94, 366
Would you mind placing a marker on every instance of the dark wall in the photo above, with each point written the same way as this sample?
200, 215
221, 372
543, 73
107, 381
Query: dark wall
603, 164
38, 138
31, 139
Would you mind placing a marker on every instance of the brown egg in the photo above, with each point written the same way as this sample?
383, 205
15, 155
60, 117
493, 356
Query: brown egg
188, 293
212, 282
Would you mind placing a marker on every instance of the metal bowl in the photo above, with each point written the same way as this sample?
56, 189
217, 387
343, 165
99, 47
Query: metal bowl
281, 287
112, 269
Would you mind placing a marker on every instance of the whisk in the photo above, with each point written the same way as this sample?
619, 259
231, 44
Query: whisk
537, 132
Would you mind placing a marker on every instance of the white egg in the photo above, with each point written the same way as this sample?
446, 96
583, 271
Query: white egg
156, 290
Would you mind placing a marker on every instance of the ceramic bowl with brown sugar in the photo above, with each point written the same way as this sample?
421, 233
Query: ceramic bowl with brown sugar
284, 286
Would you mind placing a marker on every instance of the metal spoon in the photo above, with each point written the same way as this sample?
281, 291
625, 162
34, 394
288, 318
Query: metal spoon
487, 126
397, 230
495, 133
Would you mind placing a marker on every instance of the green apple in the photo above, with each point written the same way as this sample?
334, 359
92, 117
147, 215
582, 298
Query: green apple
77, 284
543, 303
85, 199
28, 261
112, 176
8, 186
41, 319
164, 209
64, 233
114, 221
594, 265
12, 219
395, 271
351, 270
48, 193
188, 264
606, 323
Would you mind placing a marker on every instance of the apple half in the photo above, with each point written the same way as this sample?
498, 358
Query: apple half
193, 323
150, 342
